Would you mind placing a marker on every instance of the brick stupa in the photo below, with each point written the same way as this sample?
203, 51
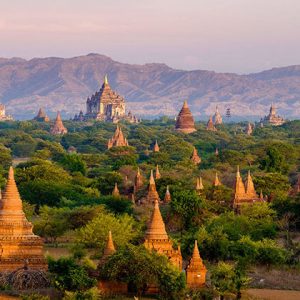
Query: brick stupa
195, 271
138, 180
116, 192
217, 181
199, 186
195, 158
167, 198
19, 246
118, 139
185, 121
41, 116
156, 147
157, 238
210, 125
157, 173
58, 128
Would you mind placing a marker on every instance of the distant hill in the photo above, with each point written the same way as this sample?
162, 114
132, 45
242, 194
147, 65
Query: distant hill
150, 89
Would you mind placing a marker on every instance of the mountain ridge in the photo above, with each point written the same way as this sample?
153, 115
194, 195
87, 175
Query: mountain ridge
150, 89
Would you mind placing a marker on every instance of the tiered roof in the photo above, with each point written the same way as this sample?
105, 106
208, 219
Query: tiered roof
156, 147
195, 158
118, 139
58, 127
152, 195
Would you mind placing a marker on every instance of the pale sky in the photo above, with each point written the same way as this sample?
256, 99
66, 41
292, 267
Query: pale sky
240, 36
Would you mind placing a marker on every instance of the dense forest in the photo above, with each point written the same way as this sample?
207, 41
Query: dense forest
66, 184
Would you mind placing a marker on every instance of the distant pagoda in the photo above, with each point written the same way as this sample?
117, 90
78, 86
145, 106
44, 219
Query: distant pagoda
272, 118
217, 118
185, 121
217, 181
156, 147
210, 125
118, 139
58, 128
41, 116
249, 129
116, 192
19, 246
3, 116
107, 105
245, 193
152, 195
157, 173
167, 198
199, 186
195, 158
138, 180
196, 270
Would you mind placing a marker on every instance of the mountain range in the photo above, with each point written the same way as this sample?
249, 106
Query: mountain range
150, 89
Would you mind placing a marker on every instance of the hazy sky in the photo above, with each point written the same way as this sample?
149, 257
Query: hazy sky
224, 35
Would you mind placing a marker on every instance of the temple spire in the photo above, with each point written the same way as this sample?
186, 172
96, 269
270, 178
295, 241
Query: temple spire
156, 229
217, 181
157, 173
116, 191
249, 188
195, 158
152, 195
105, 79
156, 147
11, 200
185, 121
167, 195
58, 127
109, 248
199, 185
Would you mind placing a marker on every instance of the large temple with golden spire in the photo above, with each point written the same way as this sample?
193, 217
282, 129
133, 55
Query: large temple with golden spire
19, 245
58, 128
245, 193
107, 105
185, 121
118, 139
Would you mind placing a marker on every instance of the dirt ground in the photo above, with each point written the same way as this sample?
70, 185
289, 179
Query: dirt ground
267, 294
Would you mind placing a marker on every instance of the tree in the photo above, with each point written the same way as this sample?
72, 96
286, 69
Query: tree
73, 163
94, 234
141, 268
69, 275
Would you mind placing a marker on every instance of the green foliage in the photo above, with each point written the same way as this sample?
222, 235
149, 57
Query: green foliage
140, 268
121, 156
73, 163
94, 234
68, 275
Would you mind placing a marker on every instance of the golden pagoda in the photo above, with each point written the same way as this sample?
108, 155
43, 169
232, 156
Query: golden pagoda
245, 193
116, 192
217, 181
109, 248
58, 128
199, 185
157, 173
195, 271
157, 238
138, 180
195, 158
152, 195
19, 246
167, 195
210, 125
185, 121
156, 147
118, 139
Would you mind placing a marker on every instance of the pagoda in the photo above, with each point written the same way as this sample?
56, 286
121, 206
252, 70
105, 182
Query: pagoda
196, 270
41, 116
217, 181
245, 193
185, 121
249, 129
3, 115
157, 173
58, 128
195, 158
199, 186
138, 180
19, 246
167, 198
152, 195
157, 238
118, 139
210, 125
156, 147
107, 105
272, 118
109, 249
116, 192
217, 118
